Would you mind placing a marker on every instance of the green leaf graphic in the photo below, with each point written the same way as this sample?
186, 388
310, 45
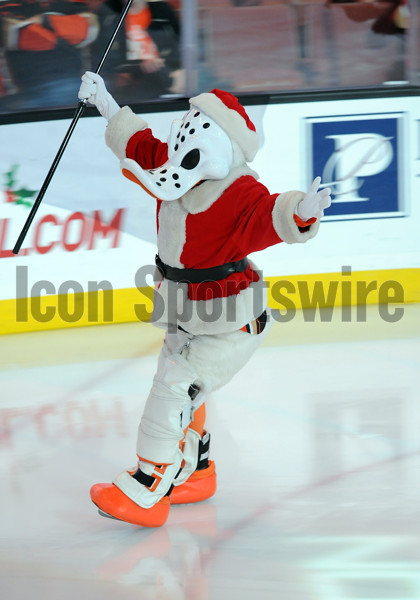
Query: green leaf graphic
24, 193
10, 176
23, 202
21, 195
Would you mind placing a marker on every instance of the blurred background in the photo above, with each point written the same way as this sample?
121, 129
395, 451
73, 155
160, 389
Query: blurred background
178, 48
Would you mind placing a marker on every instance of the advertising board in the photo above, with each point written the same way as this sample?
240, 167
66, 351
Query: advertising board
95, 229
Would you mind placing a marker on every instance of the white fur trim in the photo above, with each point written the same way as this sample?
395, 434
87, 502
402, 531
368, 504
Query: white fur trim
171, 306
230, 121
123, 125
238, 155
201, 197
172, 232
283, 219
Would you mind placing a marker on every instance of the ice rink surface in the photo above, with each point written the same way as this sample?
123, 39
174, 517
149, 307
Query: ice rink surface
317, 450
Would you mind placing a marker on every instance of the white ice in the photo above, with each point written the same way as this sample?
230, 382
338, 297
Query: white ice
317, 451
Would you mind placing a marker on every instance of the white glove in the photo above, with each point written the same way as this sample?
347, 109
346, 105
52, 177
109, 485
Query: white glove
314, 202
94, 91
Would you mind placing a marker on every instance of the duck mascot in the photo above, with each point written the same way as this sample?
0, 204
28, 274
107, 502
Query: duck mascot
209, 296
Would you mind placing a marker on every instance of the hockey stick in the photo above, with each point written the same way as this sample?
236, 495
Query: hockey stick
81, 107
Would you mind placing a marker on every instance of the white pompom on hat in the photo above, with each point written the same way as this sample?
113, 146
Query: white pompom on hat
228, 112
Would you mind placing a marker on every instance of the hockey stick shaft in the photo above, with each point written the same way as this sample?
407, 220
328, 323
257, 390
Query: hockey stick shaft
81, 107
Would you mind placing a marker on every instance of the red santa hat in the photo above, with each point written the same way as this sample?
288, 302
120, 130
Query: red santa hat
230, 115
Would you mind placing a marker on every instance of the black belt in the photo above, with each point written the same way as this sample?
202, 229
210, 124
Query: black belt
199, 275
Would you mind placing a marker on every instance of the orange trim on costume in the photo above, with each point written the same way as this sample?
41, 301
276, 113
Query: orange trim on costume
197, 424
158, 470
200, 486
301, 223
134, 179
204, 473
153, 463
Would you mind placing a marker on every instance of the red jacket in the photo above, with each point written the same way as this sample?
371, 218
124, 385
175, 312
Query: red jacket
212, 224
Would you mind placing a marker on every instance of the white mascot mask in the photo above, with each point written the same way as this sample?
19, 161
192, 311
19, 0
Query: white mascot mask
198, 149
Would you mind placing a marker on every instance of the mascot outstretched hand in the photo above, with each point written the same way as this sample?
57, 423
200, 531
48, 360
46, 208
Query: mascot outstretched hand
211, 213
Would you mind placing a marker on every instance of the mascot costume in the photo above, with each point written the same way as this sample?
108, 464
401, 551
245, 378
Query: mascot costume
211, 299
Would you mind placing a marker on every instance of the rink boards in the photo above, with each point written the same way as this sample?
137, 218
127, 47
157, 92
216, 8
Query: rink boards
88, 257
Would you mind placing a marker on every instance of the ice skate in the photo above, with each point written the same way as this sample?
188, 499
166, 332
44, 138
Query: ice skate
197, 480
113, 503
138, 496
200, 486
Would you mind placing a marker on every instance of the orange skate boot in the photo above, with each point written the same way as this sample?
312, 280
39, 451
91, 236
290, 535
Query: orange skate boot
139, 496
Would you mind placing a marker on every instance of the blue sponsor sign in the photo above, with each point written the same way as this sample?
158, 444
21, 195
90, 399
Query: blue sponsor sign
361, 158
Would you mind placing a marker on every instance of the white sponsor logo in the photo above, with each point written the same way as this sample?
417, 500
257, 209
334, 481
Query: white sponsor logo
355, 156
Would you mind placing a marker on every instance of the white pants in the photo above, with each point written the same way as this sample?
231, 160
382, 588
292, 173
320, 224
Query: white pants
209, 362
